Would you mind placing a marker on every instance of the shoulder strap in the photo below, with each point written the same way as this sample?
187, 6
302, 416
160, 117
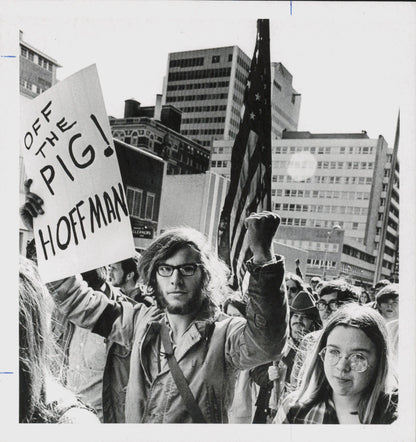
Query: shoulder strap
180, 381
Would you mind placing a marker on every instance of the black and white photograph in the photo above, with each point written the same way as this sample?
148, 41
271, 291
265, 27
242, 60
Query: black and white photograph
203, 209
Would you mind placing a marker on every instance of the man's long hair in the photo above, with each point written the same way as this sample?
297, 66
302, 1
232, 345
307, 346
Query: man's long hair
214, 271
314, 385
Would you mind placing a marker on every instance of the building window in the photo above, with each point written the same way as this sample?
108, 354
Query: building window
31, 55
230, 57
23, 52
134, 201
150, 205
215, 59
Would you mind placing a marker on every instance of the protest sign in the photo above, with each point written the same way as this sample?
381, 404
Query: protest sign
68, 152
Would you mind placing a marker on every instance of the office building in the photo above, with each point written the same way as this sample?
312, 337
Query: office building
37, 70
332, 192
208, 86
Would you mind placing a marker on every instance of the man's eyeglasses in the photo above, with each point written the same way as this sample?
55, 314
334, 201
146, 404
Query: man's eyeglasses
357, 361
332, 305
292, 289
166, 270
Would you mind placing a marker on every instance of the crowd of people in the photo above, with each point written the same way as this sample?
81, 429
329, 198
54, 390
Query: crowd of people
161, 338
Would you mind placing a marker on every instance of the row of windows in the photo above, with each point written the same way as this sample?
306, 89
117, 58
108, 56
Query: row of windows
217, 107
203, 73
302, 222
31, 87
241, 77
235, 123
321, 179
321, 208
243, 64
365, 150
311, 245
30, 55
146, 138
186, 62
219, 163
196, 97
327, 194
324, 165
140, 207
321, 263
350, 251
202, 131
188, 86
203, 120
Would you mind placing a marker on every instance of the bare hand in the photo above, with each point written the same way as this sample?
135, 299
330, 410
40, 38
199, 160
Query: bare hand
32, 206
261, 228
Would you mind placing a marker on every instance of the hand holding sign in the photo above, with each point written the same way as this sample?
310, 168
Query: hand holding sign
74, 179
32, 206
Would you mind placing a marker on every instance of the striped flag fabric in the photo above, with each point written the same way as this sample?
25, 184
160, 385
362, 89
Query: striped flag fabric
250, 180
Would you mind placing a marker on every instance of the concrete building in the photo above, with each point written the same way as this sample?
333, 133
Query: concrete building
325, 184
208, 86
37, 73
195, 201
37, 70
156, 130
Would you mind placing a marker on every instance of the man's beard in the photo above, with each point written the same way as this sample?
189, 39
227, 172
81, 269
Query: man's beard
191, 306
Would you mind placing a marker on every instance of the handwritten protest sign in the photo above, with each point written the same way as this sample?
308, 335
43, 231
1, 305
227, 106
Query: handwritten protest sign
68, 151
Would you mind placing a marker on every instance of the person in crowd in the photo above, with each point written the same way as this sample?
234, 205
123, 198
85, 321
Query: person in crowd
89, 361
241, 409
298, 269
364, 298
315, 281
294, 285
346, 378
332, 295
304, 318
125, 275
186, 278
42, 398
387, 300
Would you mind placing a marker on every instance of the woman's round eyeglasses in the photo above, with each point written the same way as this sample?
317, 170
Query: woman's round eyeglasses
357, 361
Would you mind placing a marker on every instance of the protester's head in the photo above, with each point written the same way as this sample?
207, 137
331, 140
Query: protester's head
380, 284
183, 271
350, 359
95, 278
388, 302
294, 285
34, 344
333, 294
124, 273
364, 297
315, 280
235, 306
304, 316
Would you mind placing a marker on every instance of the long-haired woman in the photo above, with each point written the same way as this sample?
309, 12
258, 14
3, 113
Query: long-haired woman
346, 380
42, 398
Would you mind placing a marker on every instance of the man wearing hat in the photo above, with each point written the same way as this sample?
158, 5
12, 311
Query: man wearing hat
304, 318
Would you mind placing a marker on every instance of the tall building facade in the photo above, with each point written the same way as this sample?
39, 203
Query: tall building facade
331, 191
37, 70
208, 86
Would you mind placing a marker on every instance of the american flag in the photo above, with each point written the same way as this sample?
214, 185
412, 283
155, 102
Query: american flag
250, 186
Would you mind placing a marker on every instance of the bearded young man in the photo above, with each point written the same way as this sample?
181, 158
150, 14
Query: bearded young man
186, 278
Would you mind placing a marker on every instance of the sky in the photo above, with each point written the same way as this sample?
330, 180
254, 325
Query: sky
353, 63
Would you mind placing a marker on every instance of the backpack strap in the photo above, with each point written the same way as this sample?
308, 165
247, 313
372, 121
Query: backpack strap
180, 381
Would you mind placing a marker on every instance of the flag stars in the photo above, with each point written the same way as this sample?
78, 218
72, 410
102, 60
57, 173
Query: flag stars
252, 115
257, 97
